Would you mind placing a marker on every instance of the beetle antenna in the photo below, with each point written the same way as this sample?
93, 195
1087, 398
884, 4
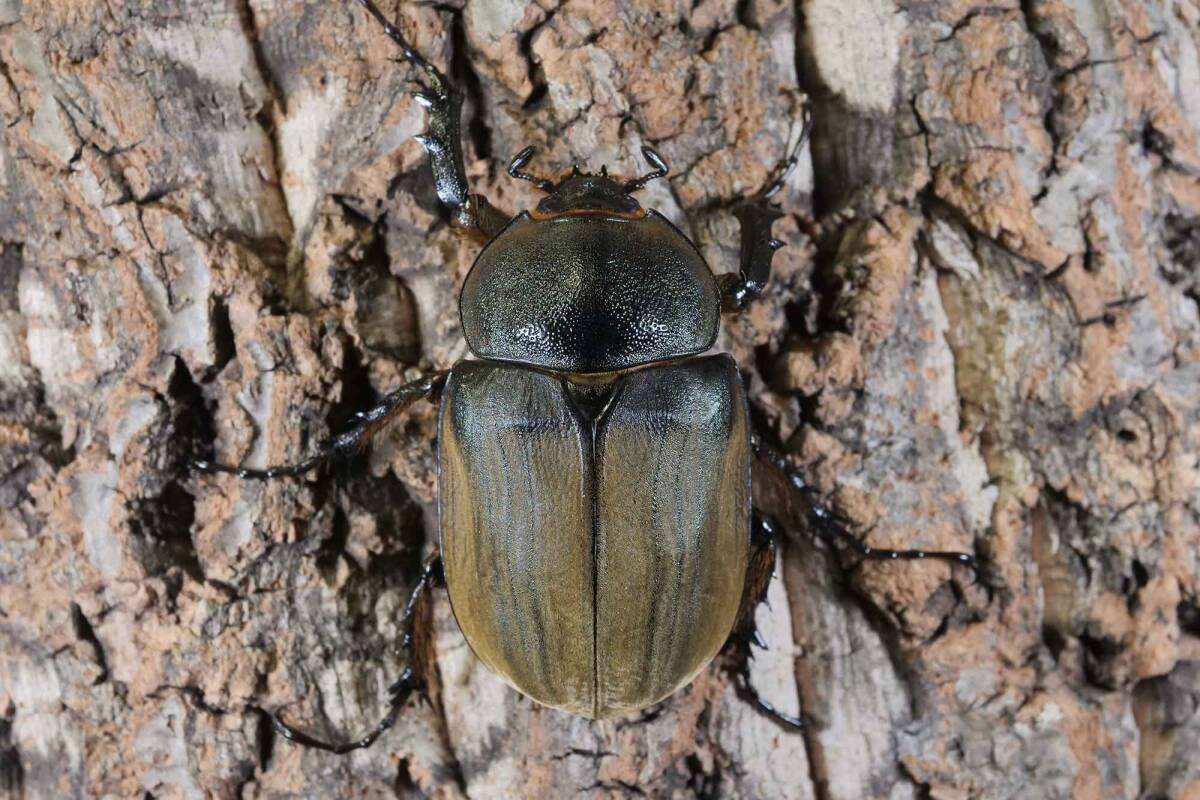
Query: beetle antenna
660, 169
520, 160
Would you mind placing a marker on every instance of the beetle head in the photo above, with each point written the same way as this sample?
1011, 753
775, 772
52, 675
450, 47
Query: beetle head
581, 193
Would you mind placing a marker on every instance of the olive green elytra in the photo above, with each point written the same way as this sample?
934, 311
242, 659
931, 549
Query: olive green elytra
596, 533
595, 560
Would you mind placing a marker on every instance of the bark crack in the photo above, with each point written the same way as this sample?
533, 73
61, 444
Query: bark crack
270, 115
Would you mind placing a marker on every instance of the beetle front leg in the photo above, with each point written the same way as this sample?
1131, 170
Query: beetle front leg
832, 527
756, 216
411, 679
443, 141
349, 442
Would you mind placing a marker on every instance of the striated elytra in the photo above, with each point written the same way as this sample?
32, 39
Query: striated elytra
597, 538
595, 552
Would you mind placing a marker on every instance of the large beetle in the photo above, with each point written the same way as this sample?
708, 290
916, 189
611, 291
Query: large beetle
597, 537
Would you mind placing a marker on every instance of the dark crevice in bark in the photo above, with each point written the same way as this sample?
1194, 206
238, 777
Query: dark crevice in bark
404, 786
385, 309
1188, 611
265, 746
85, 633
1044, 34
12, 771
463, 72
163, 525
12, 260
744, 14
224, 342
537, 77
703, 784
1181, 234
356, 394
1101, 654
160, 522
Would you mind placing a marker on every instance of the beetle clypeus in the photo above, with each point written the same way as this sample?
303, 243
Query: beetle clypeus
589, 408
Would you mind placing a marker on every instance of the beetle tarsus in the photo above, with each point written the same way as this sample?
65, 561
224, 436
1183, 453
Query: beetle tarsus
410, 682
346, 443
832, 527
746, 691
400, 693
282, 471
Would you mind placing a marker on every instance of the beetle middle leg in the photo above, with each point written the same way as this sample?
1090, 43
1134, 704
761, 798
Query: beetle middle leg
348, 442
412, 679
756, 216
443, 141
831, 527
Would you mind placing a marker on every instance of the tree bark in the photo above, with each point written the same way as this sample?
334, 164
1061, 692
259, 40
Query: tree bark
217, 235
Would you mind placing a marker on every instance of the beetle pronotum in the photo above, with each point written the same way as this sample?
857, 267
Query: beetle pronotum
597, 538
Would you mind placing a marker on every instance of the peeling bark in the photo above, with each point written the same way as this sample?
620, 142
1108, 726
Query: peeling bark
217, 235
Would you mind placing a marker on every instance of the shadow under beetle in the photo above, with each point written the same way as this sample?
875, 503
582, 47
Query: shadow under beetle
597, 538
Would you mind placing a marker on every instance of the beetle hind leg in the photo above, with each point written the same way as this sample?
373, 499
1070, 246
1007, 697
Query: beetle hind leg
745, 636
411, 679
833, 528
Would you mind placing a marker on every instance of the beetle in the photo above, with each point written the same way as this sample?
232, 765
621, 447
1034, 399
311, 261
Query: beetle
597, 539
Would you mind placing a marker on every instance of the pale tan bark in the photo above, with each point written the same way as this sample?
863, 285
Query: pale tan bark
216, 229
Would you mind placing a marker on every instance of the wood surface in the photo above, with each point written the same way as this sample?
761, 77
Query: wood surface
217, 236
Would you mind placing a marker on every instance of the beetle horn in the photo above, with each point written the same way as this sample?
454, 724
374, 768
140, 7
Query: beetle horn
520, 160
660, 169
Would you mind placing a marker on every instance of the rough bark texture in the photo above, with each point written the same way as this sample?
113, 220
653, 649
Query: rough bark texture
217, 235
